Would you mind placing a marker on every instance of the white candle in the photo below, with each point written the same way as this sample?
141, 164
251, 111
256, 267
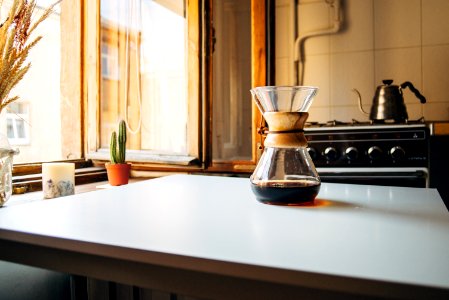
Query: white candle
58, 179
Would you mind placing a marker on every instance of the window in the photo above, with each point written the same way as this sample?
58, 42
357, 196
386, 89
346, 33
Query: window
78, 71
17, 123
145, 64
239, 63
185, 105
151, 96
232, 81
109, 62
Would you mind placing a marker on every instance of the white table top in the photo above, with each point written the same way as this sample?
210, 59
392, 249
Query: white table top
387, 234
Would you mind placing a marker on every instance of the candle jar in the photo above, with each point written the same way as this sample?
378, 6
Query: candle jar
58, 179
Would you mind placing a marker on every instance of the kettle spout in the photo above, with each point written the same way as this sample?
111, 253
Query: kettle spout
360, 101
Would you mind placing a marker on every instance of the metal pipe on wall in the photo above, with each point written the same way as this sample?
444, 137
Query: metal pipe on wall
299, 53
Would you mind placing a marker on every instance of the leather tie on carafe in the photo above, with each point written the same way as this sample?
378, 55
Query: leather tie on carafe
286, 129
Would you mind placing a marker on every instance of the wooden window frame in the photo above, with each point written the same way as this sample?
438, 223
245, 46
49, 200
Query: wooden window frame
258, 78
143, 160
200, 19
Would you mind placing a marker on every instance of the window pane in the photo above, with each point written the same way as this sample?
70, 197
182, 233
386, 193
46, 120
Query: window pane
10, 129
17, 108
17, 124
232, 81
20, 125
42, 129
144, 77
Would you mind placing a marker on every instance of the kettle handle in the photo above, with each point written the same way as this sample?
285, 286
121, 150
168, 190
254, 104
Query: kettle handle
414, 90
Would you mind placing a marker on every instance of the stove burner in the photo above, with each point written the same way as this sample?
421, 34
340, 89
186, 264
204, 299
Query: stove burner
355, 122
312, 123
335, 123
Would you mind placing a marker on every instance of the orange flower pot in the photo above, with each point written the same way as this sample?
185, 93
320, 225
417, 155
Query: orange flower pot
118, 174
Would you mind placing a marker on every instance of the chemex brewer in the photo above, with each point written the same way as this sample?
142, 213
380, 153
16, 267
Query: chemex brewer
285, 173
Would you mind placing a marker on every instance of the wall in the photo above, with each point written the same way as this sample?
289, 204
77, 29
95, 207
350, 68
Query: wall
404, 40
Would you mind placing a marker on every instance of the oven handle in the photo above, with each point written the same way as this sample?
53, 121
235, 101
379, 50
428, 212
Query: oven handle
417, 174
371, 170
372, 173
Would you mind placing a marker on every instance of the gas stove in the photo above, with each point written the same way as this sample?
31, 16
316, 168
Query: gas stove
368, 145
370, 153
412, 154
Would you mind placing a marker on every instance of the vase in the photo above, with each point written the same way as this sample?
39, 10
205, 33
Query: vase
118, 174
6, 160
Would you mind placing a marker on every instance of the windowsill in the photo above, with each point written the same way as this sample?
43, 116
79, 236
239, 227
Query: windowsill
31, 181
147, 157
19, 199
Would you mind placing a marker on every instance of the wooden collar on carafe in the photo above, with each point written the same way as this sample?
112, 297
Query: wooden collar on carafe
286, 129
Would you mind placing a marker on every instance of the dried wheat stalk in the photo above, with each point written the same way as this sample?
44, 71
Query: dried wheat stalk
15, 44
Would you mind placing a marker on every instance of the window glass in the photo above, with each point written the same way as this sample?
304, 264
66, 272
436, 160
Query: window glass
144, 74
17, 119
232, 81
39, 124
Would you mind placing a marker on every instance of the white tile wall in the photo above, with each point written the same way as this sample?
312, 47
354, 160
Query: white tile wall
415, 110
284, 25
319, 114
347, 113
284, 51
283, 70
437, 111
314, 16
355, 37
320, 66
403, 40
436, 72
348, 71
397, 23
435, 26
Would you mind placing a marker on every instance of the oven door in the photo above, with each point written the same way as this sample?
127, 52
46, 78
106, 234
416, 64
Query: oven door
405, 177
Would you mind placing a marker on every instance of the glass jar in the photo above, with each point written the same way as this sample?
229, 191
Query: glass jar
6, 164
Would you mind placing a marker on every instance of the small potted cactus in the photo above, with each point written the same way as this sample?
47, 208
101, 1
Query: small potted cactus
117, 168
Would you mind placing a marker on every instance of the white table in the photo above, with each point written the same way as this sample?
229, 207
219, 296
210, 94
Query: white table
207, 236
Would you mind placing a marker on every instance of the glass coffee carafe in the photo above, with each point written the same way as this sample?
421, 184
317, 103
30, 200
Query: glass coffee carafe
285, 174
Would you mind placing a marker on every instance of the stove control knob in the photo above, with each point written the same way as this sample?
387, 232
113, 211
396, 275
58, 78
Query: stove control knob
330, 153
374, 153
397, 153
351, 153
312, 152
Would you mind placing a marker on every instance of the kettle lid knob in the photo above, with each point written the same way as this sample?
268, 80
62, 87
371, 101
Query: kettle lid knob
387, 81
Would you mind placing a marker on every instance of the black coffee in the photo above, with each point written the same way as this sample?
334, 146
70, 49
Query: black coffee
286, 193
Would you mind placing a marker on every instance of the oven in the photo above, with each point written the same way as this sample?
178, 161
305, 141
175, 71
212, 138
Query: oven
379, 154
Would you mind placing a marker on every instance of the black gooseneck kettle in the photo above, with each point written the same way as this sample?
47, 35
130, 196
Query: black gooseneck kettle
388, 102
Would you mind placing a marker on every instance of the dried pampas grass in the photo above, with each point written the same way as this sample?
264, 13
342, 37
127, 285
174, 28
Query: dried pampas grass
15, 44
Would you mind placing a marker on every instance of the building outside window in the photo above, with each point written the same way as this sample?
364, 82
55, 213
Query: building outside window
17, 123
109, 62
